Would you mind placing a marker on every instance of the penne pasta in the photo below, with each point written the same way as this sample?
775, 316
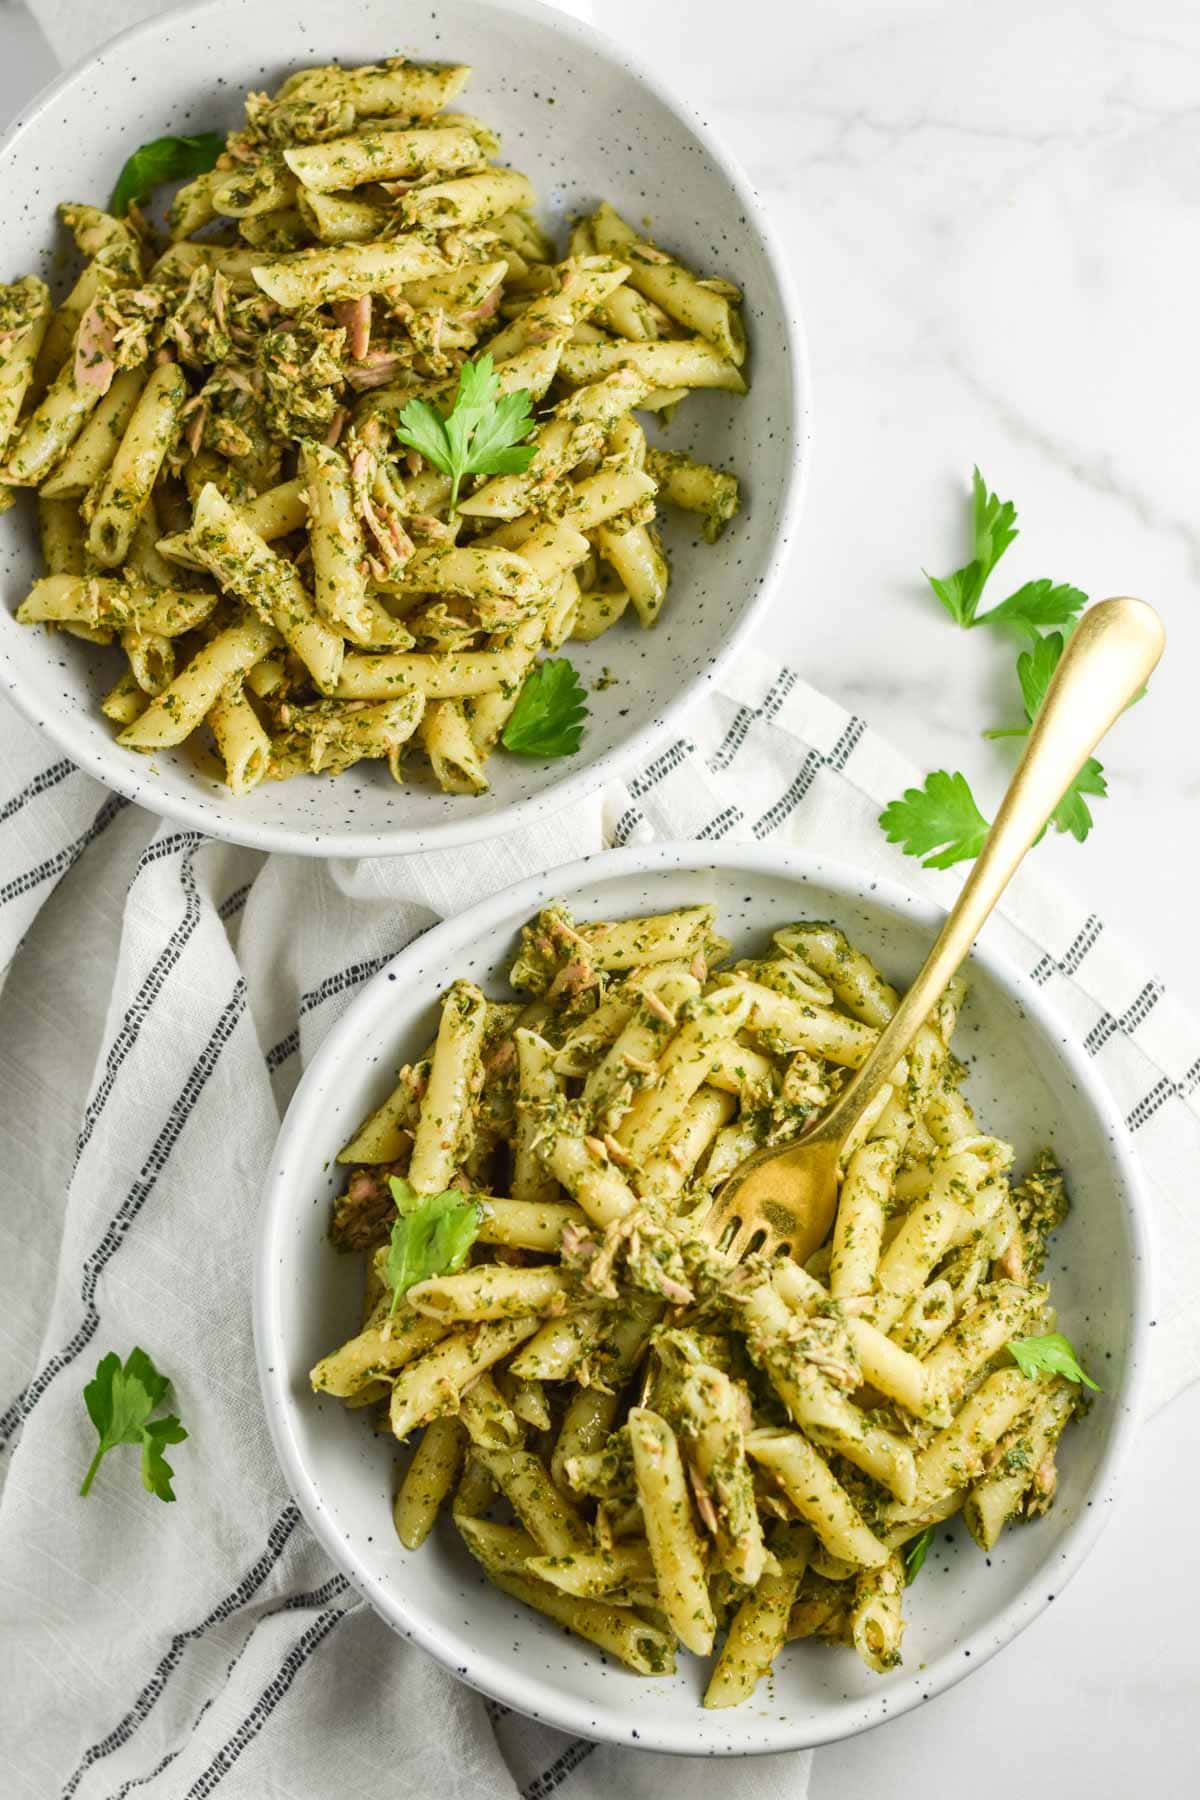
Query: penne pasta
256, 391
620, 1383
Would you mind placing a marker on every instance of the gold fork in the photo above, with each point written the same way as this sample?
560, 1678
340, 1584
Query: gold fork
784, 1197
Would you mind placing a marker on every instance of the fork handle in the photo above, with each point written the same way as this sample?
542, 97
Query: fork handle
1106, 662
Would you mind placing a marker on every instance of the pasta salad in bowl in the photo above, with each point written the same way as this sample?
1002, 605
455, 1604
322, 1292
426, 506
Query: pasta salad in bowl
412, 465
486, 1305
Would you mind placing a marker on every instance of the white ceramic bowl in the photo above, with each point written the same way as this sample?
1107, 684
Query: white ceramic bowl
585, 121
1030, 1083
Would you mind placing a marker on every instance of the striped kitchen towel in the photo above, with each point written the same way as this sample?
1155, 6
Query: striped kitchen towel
163, 994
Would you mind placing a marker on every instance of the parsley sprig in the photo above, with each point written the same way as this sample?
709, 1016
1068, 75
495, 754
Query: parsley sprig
120, 1399
993, 528
548, 718
941, 817
915, 1552
480, 435
432, 1236
164, 159
941, 821
1035, 668
1050, 1355
1033, 607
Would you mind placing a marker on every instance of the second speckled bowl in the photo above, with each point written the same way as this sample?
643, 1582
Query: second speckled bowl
1029, 1081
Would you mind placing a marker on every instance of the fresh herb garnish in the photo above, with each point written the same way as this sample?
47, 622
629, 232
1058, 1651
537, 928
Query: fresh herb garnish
1035, 669
120, 1400
548, 718
164, 159
993, 528
431, 1237
1036, 606
915, 1552
940, 816
1032, 608
1050, 1355
480, 435
943, 815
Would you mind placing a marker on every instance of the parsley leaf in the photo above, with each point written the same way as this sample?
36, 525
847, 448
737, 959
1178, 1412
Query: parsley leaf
940, 816
993, 528
423, 429
548, 718
480, 435
915, 1552
1035, 668
1050, 1355
431, 1237
164, 159
1073, 814
156, 1470
1037, 605
119, 1400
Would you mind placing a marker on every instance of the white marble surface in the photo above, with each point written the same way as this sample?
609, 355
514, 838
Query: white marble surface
994, 220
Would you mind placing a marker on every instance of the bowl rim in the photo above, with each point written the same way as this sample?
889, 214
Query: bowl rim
503, 1679
106, 764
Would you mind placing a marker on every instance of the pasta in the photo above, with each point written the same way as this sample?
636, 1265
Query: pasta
216, 413
724, 1456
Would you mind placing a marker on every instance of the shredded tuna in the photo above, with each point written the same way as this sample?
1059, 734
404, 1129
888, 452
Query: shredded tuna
433, 530
378, 369
362, 1215
486, 309
336, 426
220, 290
654, 1005
573, 977
194, 433
394, 543
704, 1504
95, 349
416, 1078
617, 1152
501, 1058
355, 316
245, 380
673, 1290
577, 1240
1011, 1262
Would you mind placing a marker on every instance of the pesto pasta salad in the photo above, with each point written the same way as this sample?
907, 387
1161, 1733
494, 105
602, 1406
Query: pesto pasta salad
634, 1434
335, 464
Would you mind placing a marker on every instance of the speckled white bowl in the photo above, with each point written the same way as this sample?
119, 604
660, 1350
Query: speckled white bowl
1029, 1082
585, 121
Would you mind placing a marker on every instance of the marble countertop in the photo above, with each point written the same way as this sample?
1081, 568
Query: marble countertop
994, 223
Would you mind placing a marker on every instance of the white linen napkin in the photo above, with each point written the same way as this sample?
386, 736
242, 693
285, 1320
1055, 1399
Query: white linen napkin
164, 993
